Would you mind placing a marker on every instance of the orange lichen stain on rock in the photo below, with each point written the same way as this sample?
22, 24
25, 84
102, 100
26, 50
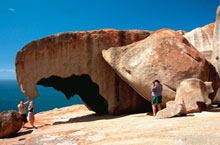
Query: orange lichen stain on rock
164, 30
47, 117
184, 96
209, 28
73, 108
60, 132
105, 30
76, 52
128, 138
191, 51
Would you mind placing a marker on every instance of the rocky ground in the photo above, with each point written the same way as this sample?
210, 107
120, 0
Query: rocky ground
77, 125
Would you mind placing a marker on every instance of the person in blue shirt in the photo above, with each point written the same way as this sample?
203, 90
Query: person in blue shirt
157, 89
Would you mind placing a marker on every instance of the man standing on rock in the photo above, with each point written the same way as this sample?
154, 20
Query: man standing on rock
157, 96
22, 110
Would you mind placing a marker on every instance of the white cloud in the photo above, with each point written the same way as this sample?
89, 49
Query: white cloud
11, 9
7, 70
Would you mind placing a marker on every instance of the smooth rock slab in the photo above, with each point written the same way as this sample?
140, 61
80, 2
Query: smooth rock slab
194, 129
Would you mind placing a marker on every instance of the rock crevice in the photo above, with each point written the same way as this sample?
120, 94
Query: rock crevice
81, 85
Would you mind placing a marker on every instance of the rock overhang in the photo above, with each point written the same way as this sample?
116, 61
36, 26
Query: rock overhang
76, 53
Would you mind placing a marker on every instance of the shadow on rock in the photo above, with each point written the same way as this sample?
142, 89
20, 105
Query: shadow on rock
213, 108
22, 133
89, 118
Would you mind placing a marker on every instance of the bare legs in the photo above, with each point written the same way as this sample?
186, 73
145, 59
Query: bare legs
32, 124
159, 107
155, 109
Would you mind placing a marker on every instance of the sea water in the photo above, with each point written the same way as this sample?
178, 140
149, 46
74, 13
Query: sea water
48, 99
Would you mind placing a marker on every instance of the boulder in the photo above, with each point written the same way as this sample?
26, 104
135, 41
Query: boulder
72, 63
10, 123
192, 96
202, 39
193, 91
164, 55
171, 110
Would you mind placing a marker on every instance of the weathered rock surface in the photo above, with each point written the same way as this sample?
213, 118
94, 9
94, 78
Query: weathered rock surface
191, 91
192, 96
216, 48
76, 125
10, 123
216, 43
181, 32
72, 62
172, 109
202, 39
207, 41
165, 55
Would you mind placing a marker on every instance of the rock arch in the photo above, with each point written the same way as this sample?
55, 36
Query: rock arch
81, 85
78, 53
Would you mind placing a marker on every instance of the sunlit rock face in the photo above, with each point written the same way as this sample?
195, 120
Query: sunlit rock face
207, 41
216, 43
202, 39
165, 55
60, 59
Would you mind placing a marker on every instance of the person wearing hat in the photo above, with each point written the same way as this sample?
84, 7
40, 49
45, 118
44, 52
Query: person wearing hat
157, 96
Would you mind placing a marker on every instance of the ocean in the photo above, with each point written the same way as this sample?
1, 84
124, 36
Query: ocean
48, 99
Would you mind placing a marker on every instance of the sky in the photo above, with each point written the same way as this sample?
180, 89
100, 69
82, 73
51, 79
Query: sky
22, 21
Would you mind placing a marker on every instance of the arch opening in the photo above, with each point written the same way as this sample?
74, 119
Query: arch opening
81, 85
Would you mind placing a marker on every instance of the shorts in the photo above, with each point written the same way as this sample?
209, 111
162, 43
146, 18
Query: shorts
24, 118
157, 100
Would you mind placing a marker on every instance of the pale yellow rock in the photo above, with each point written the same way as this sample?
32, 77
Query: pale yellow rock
202, 39
216, 43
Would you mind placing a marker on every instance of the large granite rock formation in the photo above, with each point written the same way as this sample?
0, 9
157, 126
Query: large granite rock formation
165, 55
192, 95
216, 43
10, 123
207, 41
72, 62
202, 39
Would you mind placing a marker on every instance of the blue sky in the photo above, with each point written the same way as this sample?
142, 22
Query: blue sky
22, 21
